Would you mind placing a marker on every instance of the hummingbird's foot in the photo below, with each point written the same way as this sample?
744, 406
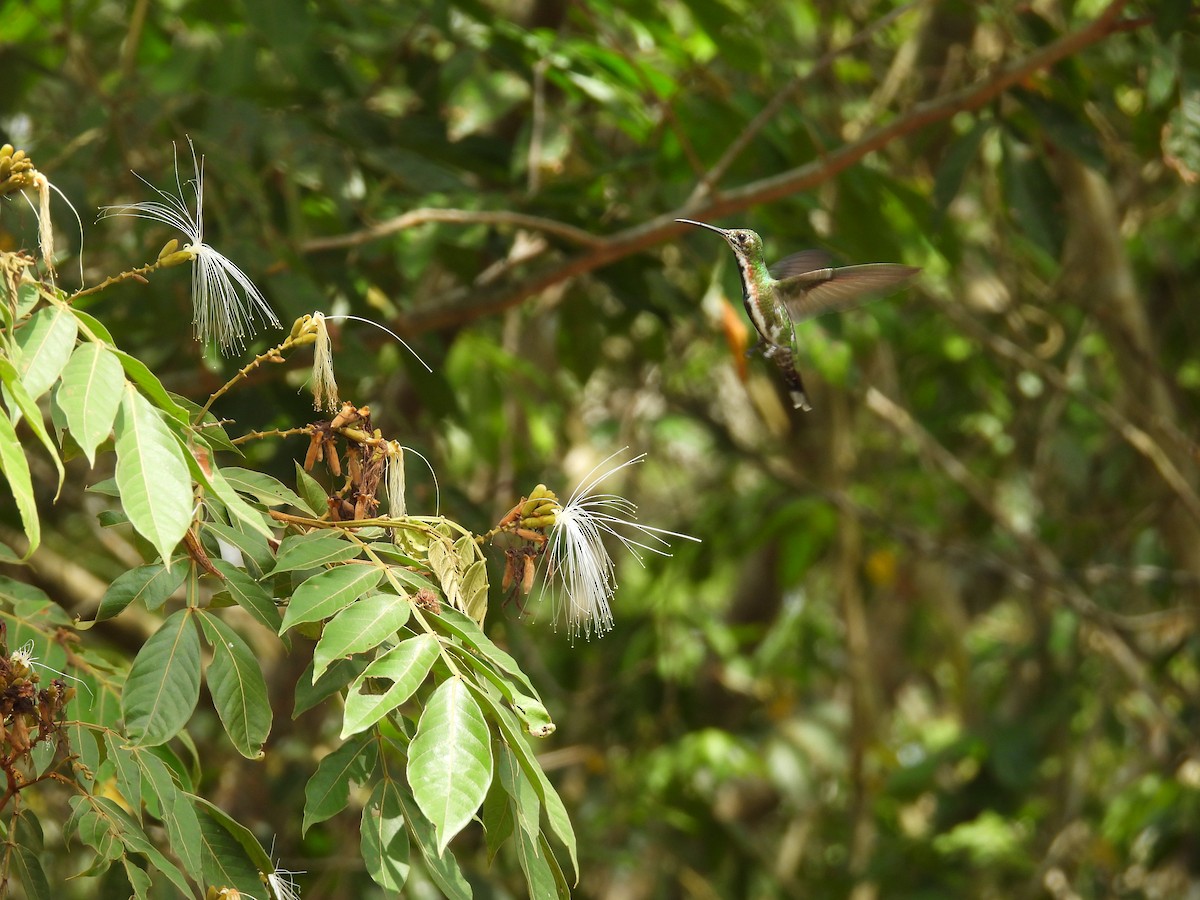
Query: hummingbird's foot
800, 401
767, 349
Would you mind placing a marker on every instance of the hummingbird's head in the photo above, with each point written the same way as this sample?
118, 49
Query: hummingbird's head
745, 243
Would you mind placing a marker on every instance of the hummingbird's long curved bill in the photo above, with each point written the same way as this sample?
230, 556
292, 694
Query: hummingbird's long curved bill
721, 231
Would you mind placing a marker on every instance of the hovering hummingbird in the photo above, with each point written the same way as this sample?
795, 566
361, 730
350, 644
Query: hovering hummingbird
798, 287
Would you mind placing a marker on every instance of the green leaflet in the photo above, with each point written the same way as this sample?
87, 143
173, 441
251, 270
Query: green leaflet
266, 489
141, 375
46, 343
556, 811
450, 759
27, 405
249, 595
152, 474
151, 584
383, 839
225, 861
237, 686
443, 868
358, 628
90, 395
164, 683
313, 550
16, 469
329, 592
328, 791
406, 665
26, 860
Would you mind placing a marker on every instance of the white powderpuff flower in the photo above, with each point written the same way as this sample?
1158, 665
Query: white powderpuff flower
23, 656
283, 884
225, 302
577, 556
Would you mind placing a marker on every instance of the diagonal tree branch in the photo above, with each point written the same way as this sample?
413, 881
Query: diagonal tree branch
467, 305
415, 217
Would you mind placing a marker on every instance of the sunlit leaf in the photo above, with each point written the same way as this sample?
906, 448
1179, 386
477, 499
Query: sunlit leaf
450, 759
359, 627
28, 408
313, 550
46, 343
406, 666
90, 395
329, 592
266, 489
140, 374
16, 470
156, 489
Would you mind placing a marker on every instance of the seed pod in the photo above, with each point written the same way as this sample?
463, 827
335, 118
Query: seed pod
530, 571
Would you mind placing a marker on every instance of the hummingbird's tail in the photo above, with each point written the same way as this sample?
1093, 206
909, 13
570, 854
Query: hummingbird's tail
787, 365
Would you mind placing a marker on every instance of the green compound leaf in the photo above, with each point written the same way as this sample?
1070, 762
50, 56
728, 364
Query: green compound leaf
237, 686
164, 682
450, 760
90, 395
152, 474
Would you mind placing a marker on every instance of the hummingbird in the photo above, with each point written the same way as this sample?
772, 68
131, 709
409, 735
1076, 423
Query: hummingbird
798, 287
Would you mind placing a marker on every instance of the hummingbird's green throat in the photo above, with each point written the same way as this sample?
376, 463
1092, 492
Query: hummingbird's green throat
798, 287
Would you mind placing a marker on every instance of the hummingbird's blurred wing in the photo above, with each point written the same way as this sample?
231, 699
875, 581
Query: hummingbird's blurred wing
801, 264
810, 291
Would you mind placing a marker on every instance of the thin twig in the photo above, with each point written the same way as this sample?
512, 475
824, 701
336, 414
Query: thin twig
415, 217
